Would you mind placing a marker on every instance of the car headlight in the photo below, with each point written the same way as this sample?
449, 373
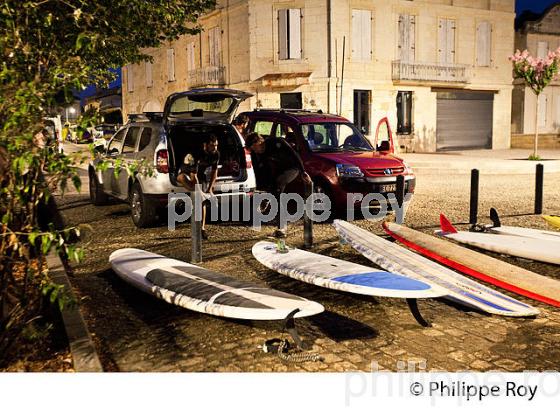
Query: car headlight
407, 168
348, 171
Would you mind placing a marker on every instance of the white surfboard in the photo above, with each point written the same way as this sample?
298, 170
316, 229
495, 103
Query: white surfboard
518, 231
463, 290
542, 250
205, 291
341, 275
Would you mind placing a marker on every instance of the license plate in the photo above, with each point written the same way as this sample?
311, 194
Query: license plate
388, 188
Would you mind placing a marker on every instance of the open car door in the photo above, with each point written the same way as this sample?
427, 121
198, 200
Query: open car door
384, 137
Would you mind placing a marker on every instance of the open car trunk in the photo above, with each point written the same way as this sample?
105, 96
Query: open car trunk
188, 138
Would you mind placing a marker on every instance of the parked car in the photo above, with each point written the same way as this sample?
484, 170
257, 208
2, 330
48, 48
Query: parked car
337, 156
163, 139
53, 131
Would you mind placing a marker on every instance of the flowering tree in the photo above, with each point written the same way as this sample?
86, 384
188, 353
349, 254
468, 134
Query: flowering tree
537, 74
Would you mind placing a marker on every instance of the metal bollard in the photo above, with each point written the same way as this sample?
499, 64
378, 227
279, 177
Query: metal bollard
400, 190
539, 189
196, 239
474, 197
308, 221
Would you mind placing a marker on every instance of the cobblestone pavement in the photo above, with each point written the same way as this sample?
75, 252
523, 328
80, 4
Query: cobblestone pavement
137, 332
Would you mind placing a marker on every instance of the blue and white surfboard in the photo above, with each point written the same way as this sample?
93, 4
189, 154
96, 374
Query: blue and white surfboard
341, 275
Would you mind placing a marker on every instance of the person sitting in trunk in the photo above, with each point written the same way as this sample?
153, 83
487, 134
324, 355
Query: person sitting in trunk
280, 165
201, 167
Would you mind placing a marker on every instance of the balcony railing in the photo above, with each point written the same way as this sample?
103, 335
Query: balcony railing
409, 71
207, 76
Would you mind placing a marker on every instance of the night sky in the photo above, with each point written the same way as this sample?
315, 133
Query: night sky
536, 6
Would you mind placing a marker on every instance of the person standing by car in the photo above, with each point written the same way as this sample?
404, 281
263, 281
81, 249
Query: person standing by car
279, 165
201, 167
241, 123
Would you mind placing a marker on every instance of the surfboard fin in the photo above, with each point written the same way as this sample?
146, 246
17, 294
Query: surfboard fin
495, 218
413, 306
446, 226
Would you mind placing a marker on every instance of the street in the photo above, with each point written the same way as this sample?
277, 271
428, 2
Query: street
137, 332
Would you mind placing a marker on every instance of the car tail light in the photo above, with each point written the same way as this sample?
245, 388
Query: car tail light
248, 160
162, 161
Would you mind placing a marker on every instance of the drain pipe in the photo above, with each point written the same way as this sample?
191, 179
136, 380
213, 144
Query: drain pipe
329, 53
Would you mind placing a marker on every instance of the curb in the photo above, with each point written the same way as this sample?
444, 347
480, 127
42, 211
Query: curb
84, 355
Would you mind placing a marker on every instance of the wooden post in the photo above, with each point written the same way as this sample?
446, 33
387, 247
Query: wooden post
307, 220
539, 189
474, 197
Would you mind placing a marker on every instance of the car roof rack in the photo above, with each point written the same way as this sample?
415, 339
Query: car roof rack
291, 110
145, 116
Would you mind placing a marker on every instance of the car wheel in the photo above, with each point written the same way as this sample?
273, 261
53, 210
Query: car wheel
143, 210
96, 194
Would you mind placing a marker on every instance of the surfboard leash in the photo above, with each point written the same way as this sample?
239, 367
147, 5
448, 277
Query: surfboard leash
281, 347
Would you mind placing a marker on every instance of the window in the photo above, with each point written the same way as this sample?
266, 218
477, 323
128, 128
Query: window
190, 57
361, 35
215, 46
404, 112
115, 145
289, 34
407, 38
483, 44
263, 127
170, 64
362, 101
446, 41
131, 140
129, 79
145, 138
542, 49
149, 76
291, 101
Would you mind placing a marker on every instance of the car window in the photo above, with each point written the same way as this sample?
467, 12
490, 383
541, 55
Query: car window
263, 127
131, 140
115, 145
145, 138
334, 137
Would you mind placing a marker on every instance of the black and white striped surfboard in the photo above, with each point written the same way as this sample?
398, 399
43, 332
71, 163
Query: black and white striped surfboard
203, 290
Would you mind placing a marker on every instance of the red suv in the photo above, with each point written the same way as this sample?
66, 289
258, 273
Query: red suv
336, 155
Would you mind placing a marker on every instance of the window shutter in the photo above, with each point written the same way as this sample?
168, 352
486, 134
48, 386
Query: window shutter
542, 49
149, 76
442, 40
411, 38
450, 41
401, 54
543, 100
356, 35
557, 120
217, 47
483, 44
170, 64
190, 57
283, 34
129, 79
294, 24
366, 35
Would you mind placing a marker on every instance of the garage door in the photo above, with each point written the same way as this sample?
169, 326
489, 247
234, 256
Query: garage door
464, 120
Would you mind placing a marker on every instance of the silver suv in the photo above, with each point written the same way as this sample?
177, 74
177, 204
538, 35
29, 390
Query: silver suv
164, 139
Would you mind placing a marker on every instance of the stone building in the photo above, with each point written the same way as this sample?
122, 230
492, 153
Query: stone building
539, 34
438, 69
